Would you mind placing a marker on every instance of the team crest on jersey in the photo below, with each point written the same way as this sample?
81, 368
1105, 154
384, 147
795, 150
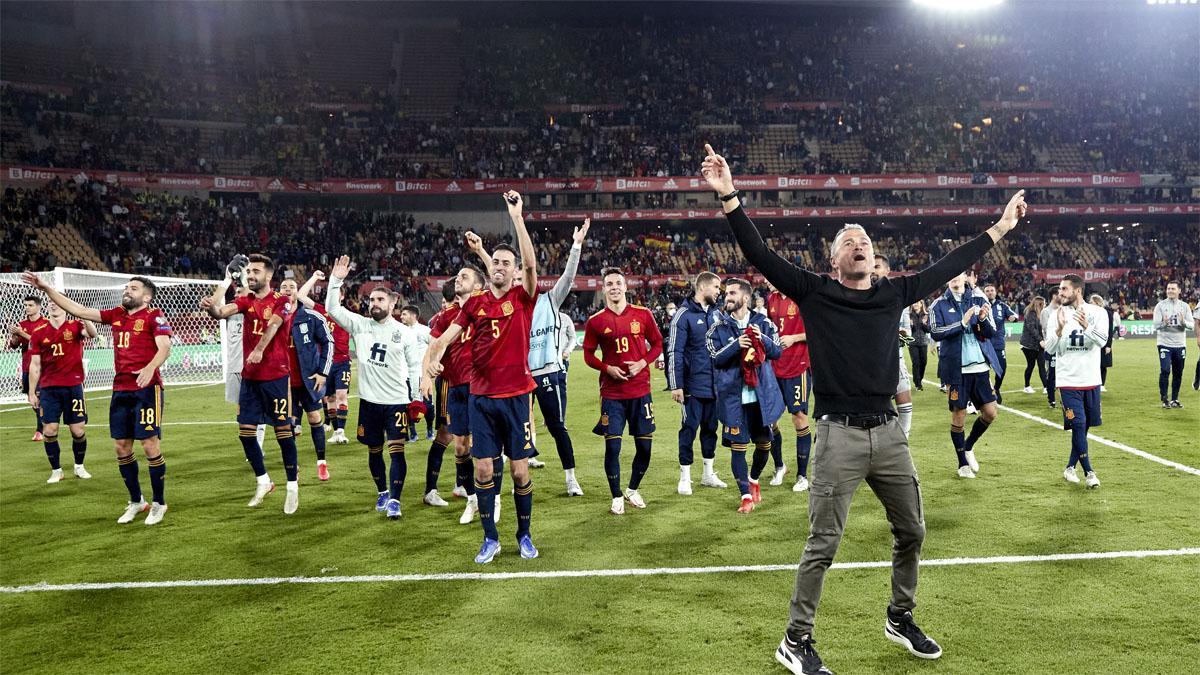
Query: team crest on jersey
791, 310
138, 325
635, 327
507, 308
953, 394
1070, 414
68, 336
303, 328
266, 313
397, 337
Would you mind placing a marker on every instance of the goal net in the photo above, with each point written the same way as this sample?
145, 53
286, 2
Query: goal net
197, 353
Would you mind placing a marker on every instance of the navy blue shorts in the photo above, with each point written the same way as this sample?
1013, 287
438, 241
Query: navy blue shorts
551, 396
25, 382
1081, 404
65, 402
339, 378
756, 429
975, 388
265, 402
379, 421
614, 413
796, 392
302, 400
502, 426
136, 414
458, 410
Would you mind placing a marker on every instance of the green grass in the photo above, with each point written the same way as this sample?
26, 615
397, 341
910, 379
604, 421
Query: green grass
1095, 615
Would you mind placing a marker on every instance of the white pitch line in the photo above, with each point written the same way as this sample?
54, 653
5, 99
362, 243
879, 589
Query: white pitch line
1100, 439
109, 395
574, 574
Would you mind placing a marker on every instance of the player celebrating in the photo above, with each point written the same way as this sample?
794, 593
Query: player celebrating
410, 315
795, 380
961, 321
233, 345
141, 343
310, 358
19, 339
741, 343
1172, 317
265, 395
497, 321
1078, 332
629, 340
337, 385
56, 385
904, 405
1001, 313
389, 361
690, 379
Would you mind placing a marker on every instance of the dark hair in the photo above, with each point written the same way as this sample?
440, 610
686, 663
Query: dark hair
610, 270
1074, 279
265, 260
884, 258
145, 282
1172, 282
34, 299
448, 293
506, 247
740, 283
479, 275
992, 284
705, 277
412, 309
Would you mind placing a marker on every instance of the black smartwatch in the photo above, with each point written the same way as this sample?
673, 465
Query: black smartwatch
729, 196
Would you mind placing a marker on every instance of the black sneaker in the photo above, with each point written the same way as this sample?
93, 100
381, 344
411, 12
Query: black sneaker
1176, 404
1053, 404
1166, 403
799, 656
899, 628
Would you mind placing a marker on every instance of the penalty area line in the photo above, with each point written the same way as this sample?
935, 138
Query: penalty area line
569, 574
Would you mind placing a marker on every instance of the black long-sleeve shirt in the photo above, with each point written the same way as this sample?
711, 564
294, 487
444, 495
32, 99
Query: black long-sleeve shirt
852, 334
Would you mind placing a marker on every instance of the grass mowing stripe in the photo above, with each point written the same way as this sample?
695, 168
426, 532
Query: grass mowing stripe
1099, 439
559, 574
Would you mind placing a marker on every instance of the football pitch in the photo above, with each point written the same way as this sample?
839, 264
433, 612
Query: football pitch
1024, 573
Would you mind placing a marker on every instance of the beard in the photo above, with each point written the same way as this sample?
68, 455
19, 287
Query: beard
732, 306
128, 302
378, 313
854, 276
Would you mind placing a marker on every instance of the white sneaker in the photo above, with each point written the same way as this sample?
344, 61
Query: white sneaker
81, 472
1090, 480
339, 437
685, 487
157, 511
55, 476
618, 506
971, 409
291, 501
328, 428
965, 472
777, 478
261, 490
635, 498
432, 498
1103, 389
1028, 390
298, 430
573, 489
469, 513
971, 461
535, 463
131, 511
712, 481
801, 484
459, 491
1070, 475
1045, 391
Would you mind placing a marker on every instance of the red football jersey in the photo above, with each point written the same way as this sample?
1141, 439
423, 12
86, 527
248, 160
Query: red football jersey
784, 313
341, 338
499, 341
61, 351
632, 335
133, 340
456, 362
23, 344
293, 360
258, 311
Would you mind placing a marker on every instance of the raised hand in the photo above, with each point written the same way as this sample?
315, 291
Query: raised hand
512, 199
341, 268
581, 232
474, 242
318, 275
716, 171
34, 280
1013, 211
1081, 318
1062, 320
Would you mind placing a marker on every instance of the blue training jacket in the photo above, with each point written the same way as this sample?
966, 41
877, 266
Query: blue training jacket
727, 365
945, 320
314, 347
689, 367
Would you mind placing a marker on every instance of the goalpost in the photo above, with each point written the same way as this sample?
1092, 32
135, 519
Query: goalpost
197, 349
